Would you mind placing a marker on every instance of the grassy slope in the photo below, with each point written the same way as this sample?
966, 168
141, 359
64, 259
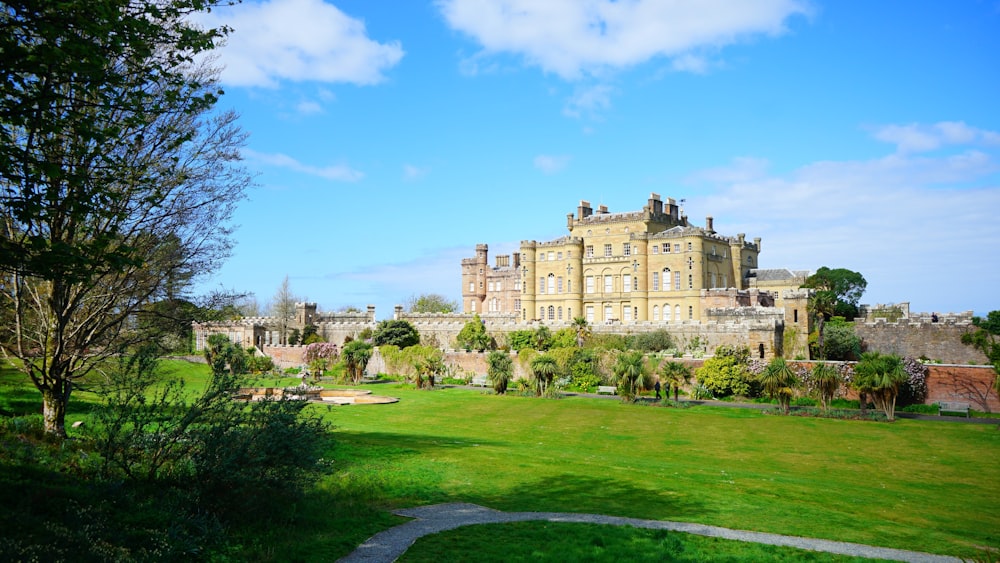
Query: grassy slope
926, 486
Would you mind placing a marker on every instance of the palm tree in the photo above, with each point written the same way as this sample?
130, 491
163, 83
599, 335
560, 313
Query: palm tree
827, 379
675, 374
544, 369
582, 330
822, 304
778, 381
356, 354
880, 376
500, 369
628, 374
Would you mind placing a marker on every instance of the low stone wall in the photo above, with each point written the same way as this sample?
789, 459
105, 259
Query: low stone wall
285, 356
940, 341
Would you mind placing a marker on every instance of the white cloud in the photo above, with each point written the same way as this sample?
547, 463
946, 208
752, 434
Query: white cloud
916, 137
918, 228
339, 173
589, 100
574, 38
309, 107
411, 172
550, 164
298, 40
689, 62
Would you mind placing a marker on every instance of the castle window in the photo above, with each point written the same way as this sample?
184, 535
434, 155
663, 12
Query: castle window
627, 313
607, 250
473, 305
552, 313
472, 287
569, 286
552, 255
559, 256
627, 282
677, 247
690, 282
725, 280
541, 256
795, 315
656, 312
499, 285
517, 304
666, 279
690, 312
666, 248
590, 314
517, 285
559, 285
666, 312
608, 287
656, 280
590, 284
541, 285
589, 251
541, 313
711, 279
690, 263
677, 285
627, 249
552, 283
559, 313
656, 249
608, 313
490, 286
689, 247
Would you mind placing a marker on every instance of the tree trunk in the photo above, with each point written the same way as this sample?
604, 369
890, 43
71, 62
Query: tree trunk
54, 401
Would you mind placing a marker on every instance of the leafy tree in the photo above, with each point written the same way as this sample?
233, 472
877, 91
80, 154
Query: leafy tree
294, 336
430, 303
675, 374
844, 286
826, 379
115, 180
628, 374
395, 332
655, 341
880, 376
986, 338
778, 381
500, 370
543, 369
543, 338
473, 335
427, 364
821, 306
840, 342
355, 356
520, 339
223, 355
563, 338
726, 373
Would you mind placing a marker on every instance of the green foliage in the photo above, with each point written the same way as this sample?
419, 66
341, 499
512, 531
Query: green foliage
726, 374
986, 339
880, 376
604, 341
826, 379
294, 337
628, 374
473, 335
430, 303
839, 289
840, 343
222, 355
355, 356
521, 339
778, 381
543, 370
543, 338
395, 332
500, 370
563, 338
428, 363
675, 374
655, 341
310, 336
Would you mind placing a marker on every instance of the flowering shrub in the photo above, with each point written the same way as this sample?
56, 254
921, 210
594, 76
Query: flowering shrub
914, 390
320, 351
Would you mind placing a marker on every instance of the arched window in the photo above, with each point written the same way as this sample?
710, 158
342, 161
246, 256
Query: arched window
559, 313
677, 312
656, 312
552, 313
541, 313
666, 279
552, 283
666, 312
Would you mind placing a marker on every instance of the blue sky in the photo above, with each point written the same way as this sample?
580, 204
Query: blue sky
389, 138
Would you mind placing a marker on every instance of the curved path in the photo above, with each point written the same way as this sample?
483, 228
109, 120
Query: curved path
388, 545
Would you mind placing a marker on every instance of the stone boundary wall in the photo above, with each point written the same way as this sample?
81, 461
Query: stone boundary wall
285, 356
940, 341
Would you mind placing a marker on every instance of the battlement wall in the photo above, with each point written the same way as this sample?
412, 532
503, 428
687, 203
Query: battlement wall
939, 341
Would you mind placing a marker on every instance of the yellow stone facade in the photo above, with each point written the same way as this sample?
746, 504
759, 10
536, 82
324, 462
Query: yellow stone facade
612, 268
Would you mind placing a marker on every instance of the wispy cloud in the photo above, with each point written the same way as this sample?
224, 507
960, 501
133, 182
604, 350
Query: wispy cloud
589, 101
411, 172
298, 40
550, 164
576, 38
904, 221
339, 173
916, 137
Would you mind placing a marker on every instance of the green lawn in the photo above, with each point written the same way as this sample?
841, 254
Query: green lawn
917, 485
925, 486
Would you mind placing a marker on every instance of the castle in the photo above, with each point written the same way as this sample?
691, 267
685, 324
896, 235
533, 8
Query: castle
637, 270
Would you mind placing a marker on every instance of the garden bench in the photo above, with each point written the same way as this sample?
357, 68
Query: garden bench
609, 389
947, 406
479, 381
369, 377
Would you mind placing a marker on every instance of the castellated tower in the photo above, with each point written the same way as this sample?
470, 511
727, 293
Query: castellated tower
474, 280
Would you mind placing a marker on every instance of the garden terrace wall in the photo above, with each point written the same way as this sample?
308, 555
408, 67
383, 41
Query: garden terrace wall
940, 341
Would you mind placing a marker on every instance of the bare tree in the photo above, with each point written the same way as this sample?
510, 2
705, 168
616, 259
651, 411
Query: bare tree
282, 308
116, 179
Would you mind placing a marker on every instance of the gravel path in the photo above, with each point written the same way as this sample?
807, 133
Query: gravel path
388, 545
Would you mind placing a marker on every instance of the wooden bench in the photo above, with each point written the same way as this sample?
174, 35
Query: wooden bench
948, 406
606, 389
369, 377
480, 381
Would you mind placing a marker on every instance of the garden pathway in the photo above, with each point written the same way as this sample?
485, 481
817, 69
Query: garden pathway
388, 545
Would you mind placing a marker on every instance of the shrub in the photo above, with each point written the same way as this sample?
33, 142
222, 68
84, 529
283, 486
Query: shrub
396, 332
726, 373
920, 409
563, 338
521, 339
473, 335
649, 341
913, 391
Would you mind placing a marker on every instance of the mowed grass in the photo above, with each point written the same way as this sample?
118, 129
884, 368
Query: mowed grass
917, 485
